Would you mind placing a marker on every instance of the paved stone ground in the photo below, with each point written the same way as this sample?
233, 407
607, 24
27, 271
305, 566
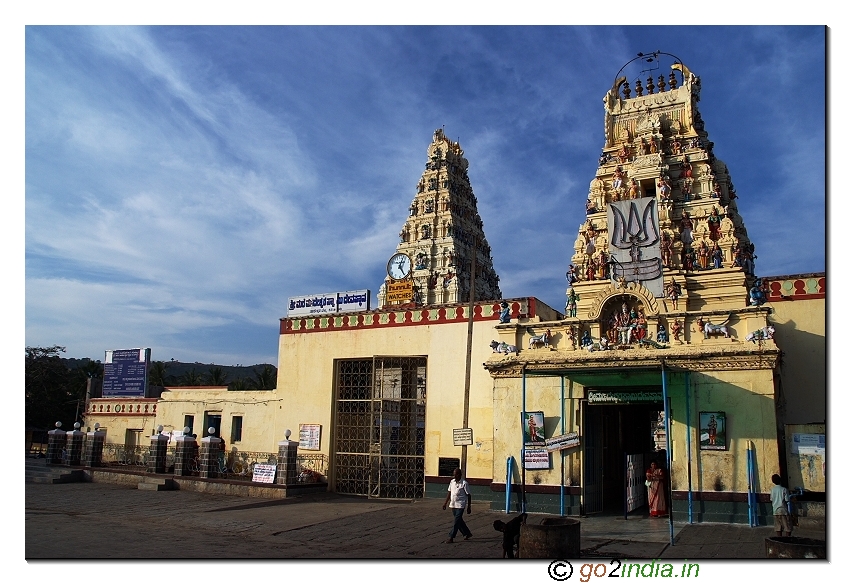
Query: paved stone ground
109, 521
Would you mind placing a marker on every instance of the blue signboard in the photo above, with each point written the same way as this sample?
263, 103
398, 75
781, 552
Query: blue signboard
125, 372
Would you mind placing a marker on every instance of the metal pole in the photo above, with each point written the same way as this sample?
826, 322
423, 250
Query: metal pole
522, 432
563, 431
508, 479
688, 423
468, 375
667, 437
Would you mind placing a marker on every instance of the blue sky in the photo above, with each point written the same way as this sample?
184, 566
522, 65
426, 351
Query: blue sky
182, 182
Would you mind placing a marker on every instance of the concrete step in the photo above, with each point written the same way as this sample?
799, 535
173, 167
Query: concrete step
156, 484
37, 471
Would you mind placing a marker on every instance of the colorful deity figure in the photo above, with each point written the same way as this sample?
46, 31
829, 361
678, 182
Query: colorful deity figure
590, 270
505, 314
572, 274
602, 265
676, 330
758, 295
586, 340
661, 335
617, 181
703, 254
639, 331
676, 147
689, 258
664, 188
686, 229
717, 192
717, 256
666, 249
714, 224
590, 239
623, 153
590, 207
634, 190
673, 290
571, 336
572, 303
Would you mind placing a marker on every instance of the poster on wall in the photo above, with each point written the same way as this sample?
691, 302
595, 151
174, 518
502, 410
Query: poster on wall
309, 436
712, 430
532, 428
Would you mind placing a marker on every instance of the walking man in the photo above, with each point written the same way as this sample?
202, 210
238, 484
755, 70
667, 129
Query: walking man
458, 498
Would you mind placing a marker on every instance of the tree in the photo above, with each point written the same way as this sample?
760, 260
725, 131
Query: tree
191, 378
264, 379
52, 392
216, 377
239, 385
158, 373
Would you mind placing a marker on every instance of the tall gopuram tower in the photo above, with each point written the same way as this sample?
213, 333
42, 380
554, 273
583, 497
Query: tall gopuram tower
442, 232
661, 211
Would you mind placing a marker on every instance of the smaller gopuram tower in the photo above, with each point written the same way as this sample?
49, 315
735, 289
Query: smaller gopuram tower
441, 233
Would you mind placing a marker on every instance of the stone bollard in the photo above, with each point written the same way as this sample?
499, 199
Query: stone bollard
210, 454
56, 444
158, 451
74, 446
287, 462
93, 456
793, 547
184, 456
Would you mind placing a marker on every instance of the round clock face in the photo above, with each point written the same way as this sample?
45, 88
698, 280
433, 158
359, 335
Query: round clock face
398, 267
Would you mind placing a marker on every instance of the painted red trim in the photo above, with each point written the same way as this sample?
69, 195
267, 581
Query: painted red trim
405, 317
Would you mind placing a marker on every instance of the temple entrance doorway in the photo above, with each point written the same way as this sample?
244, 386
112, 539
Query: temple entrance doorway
623, 434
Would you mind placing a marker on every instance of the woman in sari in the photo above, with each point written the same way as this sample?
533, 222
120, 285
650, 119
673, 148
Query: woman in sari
657, 493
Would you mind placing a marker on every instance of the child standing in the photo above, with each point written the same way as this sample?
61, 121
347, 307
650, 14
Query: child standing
779, 500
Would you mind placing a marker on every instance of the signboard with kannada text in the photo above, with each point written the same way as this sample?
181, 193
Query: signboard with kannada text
462, 436
623, 397
329, 303
565, 441
125, 372
536, 458
264, 473
309, 436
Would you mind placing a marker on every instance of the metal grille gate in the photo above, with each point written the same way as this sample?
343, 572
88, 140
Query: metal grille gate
380, 427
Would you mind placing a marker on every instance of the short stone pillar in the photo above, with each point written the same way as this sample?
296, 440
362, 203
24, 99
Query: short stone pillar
158, 451
74, 446
210, 454
287, 462
184, 455
93, 455
56, 444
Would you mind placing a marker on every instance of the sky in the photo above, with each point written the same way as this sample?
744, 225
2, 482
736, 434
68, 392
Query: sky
171, 187
182, 182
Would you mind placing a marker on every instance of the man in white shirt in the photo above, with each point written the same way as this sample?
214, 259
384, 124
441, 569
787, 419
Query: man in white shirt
458, 498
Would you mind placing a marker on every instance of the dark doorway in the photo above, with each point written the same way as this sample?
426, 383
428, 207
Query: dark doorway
613, 431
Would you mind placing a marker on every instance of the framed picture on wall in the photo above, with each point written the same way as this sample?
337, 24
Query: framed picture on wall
532, 428
712, 430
